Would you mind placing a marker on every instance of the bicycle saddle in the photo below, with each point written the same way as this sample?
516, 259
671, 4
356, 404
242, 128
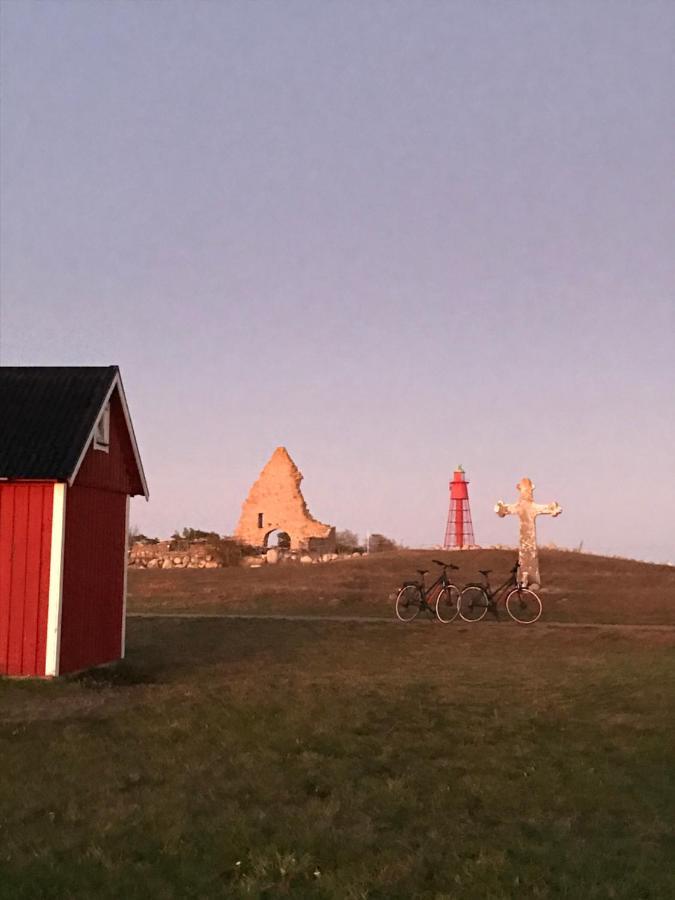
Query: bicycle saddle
485, 572
422, 571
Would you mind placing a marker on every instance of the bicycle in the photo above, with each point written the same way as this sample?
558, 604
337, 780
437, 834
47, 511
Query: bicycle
413, 597
522, 604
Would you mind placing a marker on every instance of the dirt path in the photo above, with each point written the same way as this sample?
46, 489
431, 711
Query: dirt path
284, 617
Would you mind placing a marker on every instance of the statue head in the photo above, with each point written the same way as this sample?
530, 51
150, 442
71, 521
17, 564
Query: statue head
526, 489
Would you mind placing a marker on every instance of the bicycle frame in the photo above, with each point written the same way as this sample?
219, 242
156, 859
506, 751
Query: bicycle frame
494, 596
526, 608
442, 581
427, 595
499, 594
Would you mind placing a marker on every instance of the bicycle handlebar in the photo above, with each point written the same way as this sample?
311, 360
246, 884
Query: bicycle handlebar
445, 565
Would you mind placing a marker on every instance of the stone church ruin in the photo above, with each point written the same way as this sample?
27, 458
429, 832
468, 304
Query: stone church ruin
276, 509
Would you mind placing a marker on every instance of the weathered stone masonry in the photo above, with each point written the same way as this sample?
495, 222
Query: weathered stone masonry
275, 503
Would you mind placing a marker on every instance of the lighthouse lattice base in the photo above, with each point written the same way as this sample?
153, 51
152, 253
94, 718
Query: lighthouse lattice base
459, 530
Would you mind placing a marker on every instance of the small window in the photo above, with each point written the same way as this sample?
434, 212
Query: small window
102, 432
260, 520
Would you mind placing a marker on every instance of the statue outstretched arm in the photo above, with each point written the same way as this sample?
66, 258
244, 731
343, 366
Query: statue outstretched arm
505, 509
547, 509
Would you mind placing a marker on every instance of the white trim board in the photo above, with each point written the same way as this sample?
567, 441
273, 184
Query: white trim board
126, 572
116, 383
53, 647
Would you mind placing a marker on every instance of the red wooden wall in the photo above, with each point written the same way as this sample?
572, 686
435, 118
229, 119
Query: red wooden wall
115, 470
93, 577
25, 549
95, 550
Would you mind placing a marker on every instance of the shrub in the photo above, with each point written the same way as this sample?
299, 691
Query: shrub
195, 534
137, 537
378, 543
227, 551
347, 542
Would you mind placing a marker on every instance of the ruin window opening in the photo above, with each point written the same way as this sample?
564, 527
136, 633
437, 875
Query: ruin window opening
260, 520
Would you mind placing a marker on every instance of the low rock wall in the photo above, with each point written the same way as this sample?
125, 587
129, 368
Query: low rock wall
274, 555
173, 555
201, 555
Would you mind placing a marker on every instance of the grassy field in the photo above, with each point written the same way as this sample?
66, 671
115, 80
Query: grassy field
345, 760
577, 587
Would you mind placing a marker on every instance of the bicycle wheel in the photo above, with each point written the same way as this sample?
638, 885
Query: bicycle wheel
523, 605
447, 604
408, 603
473, 603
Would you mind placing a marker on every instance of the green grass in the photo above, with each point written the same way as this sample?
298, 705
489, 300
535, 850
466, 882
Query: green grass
329, 760
577, 587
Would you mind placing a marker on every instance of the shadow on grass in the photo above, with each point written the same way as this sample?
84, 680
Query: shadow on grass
118, 674
169, 651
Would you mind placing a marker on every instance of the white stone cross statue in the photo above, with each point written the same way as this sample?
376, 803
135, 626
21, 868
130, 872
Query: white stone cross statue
527, 510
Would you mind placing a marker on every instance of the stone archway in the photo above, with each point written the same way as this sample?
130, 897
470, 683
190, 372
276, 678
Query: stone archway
277, 539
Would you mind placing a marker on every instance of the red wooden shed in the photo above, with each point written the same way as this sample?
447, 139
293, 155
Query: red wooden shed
69, 463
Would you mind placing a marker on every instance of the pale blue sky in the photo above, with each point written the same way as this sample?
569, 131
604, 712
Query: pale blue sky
393, 236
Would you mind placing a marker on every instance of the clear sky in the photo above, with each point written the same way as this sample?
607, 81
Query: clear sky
392, 236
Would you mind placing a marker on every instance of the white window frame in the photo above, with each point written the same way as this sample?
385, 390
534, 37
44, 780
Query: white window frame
102, 431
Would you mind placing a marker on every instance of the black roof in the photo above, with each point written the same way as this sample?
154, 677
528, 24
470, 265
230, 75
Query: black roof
46, 415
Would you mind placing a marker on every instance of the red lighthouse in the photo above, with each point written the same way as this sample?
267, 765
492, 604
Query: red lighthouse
459, 530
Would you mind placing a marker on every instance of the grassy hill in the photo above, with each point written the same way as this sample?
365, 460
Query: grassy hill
345, 761
357, 760
576, 587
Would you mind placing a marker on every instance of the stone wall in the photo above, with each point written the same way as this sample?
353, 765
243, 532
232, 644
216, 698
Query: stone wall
275, 555
173, 555
202, 555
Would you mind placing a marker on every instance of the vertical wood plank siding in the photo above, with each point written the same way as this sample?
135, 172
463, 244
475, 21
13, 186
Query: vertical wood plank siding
93, 577
25, 546
95, 551
116, 469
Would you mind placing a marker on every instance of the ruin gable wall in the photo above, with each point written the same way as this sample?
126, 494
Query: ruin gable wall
275, 502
